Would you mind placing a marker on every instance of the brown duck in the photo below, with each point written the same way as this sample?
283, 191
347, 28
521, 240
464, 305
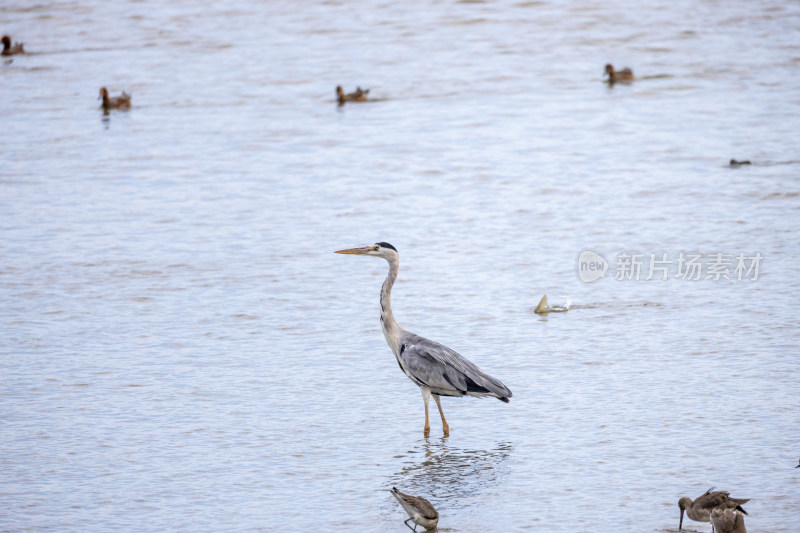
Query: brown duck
360, 95
9, 50
122, 101
614, 76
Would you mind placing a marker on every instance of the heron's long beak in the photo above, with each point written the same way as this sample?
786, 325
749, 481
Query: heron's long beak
680, 524
355, 251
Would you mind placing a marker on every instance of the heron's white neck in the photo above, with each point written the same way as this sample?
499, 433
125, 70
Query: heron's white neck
390, 328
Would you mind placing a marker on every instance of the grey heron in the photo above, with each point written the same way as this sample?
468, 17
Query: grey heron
419, 510
700, 509
436, 369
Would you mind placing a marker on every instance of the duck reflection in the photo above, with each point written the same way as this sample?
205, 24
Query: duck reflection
444, 471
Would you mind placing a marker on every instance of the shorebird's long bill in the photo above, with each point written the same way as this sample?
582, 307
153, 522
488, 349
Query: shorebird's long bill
354, 251
680, 524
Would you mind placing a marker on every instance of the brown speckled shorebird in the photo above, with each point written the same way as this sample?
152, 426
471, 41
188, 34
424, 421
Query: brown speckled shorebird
360, 95
700, 509
9, 50
122, 101
614, 76
727, 521
419, 510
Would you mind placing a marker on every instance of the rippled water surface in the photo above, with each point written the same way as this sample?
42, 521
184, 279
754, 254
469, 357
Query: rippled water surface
183, 351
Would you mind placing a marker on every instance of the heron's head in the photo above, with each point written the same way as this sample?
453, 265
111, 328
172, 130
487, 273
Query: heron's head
379, 249
683, 503
609, 70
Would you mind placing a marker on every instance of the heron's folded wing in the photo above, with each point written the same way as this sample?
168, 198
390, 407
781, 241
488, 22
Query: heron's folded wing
428, 371
450, 368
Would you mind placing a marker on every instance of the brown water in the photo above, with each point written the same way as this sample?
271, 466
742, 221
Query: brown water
183, 351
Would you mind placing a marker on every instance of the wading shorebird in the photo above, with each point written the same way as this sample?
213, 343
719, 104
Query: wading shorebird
435, 368
360, 95
9, 50
419, 510
700, 509
727, 521
614, 76
122, 101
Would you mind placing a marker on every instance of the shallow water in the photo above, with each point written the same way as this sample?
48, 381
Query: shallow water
182, 349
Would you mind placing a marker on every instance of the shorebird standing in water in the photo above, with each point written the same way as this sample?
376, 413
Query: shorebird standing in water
700, 509
436, 369
419, 510
727, 521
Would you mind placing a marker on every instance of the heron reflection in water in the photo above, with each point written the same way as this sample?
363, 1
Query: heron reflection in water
459, 472
436, 369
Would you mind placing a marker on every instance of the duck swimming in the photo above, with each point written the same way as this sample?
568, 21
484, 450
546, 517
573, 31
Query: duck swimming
360, 95
122, 101
9, 50
735, 163
614, 76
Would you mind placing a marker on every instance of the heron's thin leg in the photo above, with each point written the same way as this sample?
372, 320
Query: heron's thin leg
445, 427
414, 529
426, 396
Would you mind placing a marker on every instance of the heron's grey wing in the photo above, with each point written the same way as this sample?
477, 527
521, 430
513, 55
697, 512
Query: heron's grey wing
426, 371
439, 367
